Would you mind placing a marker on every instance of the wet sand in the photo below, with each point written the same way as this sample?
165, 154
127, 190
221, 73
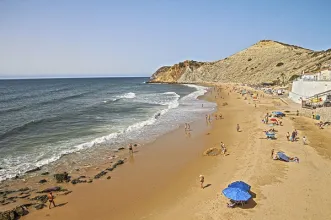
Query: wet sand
161, 180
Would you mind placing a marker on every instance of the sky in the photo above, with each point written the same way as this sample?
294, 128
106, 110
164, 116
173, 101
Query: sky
78, 38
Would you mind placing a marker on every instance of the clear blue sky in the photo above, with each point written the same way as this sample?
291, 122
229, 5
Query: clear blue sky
68, 38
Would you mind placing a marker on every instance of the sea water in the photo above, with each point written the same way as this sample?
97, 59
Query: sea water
41, 120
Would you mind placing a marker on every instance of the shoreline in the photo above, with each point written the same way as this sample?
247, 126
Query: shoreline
31, 180
161, 181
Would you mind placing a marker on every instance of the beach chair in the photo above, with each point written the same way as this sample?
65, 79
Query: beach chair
270, 135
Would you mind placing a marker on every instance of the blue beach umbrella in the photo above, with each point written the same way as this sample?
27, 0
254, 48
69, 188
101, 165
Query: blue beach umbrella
282, 156
241, 185
236, 194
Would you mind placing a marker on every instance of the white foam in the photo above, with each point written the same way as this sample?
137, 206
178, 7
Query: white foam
172, 104
201, 90
129, 95
171, 93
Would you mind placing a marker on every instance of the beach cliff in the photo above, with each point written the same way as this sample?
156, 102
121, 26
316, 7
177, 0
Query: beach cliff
265, 61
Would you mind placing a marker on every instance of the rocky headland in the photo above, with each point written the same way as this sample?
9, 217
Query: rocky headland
265, 61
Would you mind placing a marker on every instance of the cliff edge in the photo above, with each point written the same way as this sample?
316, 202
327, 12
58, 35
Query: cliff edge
264, 61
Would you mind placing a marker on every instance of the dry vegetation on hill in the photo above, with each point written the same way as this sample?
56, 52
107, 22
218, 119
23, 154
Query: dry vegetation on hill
265, 61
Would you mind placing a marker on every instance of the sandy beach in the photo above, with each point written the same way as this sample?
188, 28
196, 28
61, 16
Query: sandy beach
161, 180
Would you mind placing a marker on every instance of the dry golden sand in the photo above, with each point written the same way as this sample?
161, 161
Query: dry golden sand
161, 181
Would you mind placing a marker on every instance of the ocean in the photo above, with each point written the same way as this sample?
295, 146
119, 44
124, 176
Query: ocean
43, 121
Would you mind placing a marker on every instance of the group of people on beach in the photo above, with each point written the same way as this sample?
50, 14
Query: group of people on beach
293, 136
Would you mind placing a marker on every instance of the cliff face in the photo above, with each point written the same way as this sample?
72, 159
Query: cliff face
172, 74
265, 61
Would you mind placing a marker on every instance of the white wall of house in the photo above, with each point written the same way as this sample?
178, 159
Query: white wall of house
324, 75
304, 89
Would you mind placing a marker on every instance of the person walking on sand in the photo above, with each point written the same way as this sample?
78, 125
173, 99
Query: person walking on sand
130, 149
51, 200
238, 128
202, 180
223, 148
288, 136
304, 140
272, 153
293, 136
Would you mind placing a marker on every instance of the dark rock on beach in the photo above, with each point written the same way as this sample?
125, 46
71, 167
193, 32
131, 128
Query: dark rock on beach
23, 189
42, 181
52, 189
24, 196
121, 148
7, 215
102, 173
20, 210
42, 198
110, 169
39, 206
45, 173
14, 213
62, 177
78, 180
109, 177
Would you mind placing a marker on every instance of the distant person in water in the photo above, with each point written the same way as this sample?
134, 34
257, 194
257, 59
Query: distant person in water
202, 180
51, 200
238, 128
130, 149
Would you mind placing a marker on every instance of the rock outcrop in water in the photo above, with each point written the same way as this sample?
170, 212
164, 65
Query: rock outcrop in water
265, 61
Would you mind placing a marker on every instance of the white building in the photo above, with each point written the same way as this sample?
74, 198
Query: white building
324, 75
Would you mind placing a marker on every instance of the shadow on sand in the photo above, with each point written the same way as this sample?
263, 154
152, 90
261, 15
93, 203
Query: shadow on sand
62, 204
206, 186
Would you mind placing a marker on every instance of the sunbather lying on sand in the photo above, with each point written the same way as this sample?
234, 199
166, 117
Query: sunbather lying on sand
275, 156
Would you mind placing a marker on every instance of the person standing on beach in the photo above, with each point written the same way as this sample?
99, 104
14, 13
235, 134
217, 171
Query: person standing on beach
272, 153
288, 136
130, 149
238, 128
223, 148
293, 136
202, 180
304, 140
51, 200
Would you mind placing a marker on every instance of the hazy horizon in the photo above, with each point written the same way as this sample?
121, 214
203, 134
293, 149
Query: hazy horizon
78, 39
